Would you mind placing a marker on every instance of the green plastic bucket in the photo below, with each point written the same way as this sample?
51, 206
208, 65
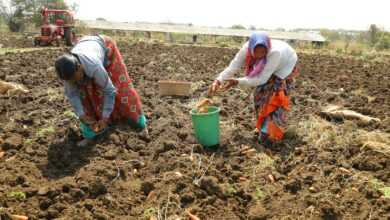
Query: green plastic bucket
206, 126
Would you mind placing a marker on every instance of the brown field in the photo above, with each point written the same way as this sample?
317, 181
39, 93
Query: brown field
323, 170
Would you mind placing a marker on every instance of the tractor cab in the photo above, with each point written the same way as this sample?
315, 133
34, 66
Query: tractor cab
60, 22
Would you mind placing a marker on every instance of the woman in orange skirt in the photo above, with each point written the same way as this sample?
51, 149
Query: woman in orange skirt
270, 67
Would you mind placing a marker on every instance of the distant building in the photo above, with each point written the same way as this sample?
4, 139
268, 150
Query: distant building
292, 37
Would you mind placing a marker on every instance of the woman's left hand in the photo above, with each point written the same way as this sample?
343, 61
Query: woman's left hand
229, 83
100, 125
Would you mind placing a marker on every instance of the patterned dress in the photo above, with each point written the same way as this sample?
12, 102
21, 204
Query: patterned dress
127, 108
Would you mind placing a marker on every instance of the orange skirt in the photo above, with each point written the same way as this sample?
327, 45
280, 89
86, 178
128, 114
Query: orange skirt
271, 103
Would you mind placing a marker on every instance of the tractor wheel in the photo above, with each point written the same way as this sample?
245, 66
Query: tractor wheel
68, 36
36, 42
74, 37
58, 43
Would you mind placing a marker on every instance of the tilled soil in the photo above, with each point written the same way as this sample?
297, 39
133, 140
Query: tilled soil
129, 176
15, 40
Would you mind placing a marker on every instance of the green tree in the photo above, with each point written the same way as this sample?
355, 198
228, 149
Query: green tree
384, 42
18, 13
238, 26
12, 15
331, 35
373, 34
2, 18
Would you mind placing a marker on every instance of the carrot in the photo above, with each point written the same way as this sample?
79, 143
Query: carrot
312, 189
204, 102
202, 106
271, 178
191, 216
5, 86
178, 174
11, 88
243, 179
249, 152
203, 110
245, 147
151, 196
342, 169
19, 217
10, 159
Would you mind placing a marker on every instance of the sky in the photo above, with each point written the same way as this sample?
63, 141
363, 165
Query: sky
288, 14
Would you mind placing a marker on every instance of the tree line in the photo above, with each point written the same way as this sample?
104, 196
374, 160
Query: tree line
18, 14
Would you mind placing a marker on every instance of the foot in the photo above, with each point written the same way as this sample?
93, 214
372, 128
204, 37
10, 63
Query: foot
255, 132
255, 135
144, 134
85, 142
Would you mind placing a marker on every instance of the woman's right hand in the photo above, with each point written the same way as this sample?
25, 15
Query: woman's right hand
88, 120
214, 88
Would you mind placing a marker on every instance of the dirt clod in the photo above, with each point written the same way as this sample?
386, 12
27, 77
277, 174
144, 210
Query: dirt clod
147, 187
210, 185
97, 188
13, 142
293, 185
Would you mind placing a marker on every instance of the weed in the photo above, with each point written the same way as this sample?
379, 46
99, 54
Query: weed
259, 194
45, 131
17, 195
150, 212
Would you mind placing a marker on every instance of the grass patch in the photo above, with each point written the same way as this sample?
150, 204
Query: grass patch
197, 86
381, 187
264, 161
259, 194
257, 167
320, 133
17, 195
53, 94
386, 191
28, 141
150, 212
22, 50
70, 114
45, 131
230, 189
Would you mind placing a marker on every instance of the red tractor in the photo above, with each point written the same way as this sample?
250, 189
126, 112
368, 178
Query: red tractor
57, 25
